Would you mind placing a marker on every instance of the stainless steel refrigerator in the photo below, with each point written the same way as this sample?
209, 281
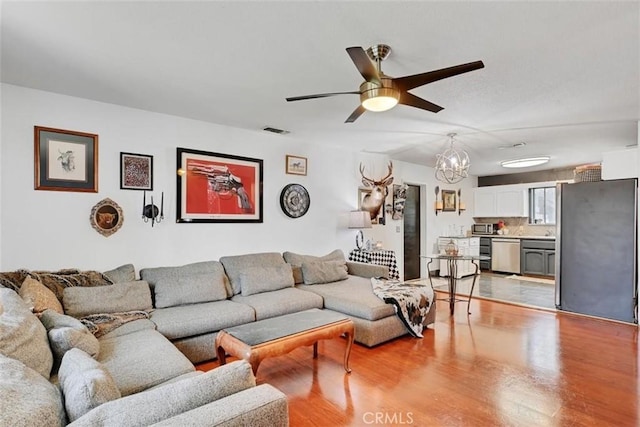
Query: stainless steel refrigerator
596, 259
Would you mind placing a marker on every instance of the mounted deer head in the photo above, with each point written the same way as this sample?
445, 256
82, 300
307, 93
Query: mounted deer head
373, 201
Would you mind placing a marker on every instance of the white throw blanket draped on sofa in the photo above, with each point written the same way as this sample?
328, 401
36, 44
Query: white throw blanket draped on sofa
411, 301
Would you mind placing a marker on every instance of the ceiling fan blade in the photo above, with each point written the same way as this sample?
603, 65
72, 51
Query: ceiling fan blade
363, 64
410, 82
356, 113
411, 100
320, 95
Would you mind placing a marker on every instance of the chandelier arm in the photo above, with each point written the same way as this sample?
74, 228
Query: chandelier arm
452, 166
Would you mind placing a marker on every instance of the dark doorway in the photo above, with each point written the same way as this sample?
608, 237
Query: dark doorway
412, 233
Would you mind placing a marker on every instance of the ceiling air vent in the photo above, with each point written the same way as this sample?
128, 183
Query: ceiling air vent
275, 130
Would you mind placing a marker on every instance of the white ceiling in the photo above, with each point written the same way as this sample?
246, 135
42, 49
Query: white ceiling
561, 76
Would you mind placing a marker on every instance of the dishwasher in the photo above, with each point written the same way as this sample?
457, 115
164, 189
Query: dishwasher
505, 255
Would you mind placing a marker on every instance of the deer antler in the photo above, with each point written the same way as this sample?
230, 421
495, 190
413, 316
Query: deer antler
390, 171
365, 180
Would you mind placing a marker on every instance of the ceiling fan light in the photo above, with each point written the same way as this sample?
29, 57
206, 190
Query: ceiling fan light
379, 98
525, 162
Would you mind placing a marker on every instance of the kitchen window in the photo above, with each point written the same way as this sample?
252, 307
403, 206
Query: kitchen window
542, 205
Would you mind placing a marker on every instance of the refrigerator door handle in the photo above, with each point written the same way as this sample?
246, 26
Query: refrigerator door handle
558, 242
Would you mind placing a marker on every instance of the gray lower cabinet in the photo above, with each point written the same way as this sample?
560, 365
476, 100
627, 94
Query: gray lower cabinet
538, 257
551, 262
485, 249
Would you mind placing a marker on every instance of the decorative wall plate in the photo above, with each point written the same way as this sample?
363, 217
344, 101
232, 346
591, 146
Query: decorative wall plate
106, 217
294, 200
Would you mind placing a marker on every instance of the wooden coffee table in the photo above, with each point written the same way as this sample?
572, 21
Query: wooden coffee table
256, 341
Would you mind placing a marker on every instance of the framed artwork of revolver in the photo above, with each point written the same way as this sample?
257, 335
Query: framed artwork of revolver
215, 187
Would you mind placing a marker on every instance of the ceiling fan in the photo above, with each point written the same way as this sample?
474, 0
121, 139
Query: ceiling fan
380, 92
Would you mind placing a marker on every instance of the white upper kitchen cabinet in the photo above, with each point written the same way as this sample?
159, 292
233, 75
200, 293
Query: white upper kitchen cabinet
512, 201
501, 201
484, 202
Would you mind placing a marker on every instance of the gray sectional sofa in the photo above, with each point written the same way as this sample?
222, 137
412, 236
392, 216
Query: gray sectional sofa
54, 372
129, 359
263, 285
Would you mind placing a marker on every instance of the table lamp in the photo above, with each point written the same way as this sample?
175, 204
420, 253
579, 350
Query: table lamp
359, 220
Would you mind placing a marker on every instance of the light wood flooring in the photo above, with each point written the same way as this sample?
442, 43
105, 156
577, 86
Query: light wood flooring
503, 365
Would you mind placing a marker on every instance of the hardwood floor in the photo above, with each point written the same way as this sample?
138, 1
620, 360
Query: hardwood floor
502, 365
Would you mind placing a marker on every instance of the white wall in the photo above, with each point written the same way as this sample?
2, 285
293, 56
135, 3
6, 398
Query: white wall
620, 164
51, 229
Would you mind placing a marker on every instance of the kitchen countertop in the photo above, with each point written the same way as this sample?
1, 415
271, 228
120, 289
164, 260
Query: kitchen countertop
513, 236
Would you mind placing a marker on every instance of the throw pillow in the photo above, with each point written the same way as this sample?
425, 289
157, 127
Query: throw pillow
296, 261
235, 265
323, 272
27, 398
22, 336
255, 280
120, 297
65, 333
38, 297
51, 319
124, 273
85, 383
189, 289
155, 274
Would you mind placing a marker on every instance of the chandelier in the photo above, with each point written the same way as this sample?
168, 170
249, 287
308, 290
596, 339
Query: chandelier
452, 165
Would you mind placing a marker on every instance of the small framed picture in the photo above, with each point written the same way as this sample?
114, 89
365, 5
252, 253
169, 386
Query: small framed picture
448, 201
65, 160
106, 217
136, 172
296, 165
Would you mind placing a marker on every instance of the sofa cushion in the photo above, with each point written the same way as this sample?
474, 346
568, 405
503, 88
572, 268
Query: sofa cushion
22, 336
38, 297
85, 383
164, 402
323, 272
235, 265
296, 261
124, 273
130, 327
254, 280
64, 339
152, 275
27, 398
282, 301
66, 332
190, 288
120, 297
353, 297
127, 358
196, 319
260, 406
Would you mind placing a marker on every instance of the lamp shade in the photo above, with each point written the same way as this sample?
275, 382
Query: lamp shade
359, 219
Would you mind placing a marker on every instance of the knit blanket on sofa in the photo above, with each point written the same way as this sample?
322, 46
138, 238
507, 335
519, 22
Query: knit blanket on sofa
103, 323
56, 281
411, 302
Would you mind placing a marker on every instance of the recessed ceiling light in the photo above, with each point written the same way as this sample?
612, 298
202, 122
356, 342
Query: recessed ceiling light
525, 163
